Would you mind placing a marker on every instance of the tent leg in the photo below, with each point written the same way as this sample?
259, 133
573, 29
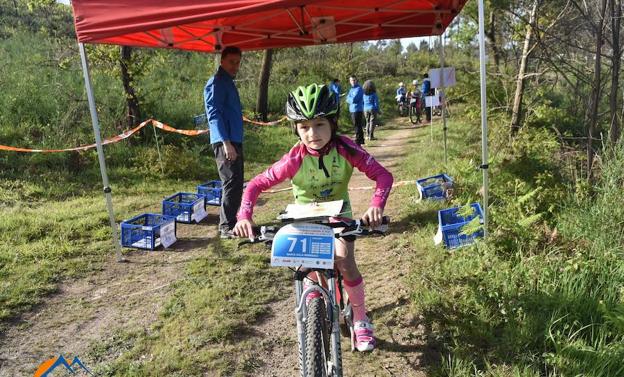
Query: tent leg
484, 126
443, 92
98, 140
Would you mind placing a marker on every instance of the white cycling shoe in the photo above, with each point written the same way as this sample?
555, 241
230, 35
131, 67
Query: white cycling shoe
363, 338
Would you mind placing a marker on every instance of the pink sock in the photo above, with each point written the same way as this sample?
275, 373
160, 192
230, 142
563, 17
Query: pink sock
355, 290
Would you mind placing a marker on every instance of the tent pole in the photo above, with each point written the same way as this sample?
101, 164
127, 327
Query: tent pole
443, 90
484, 126
98, 141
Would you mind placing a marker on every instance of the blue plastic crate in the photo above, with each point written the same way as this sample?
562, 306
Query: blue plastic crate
437, 187
211, 190
144, 231
451, 224
186, 207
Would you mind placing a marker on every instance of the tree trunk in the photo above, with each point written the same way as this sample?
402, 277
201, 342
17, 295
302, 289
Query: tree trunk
593, 113
616, 14
517, 105
133, 117
491, 36
262, 104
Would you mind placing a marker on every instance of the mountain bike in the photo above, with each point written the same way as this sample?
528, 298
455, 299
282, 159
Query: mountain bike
307, 246
415, 110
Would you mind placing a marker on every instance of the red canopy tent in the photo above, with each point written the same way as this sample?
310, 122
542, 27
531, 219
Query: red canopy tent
254, 24
210, 25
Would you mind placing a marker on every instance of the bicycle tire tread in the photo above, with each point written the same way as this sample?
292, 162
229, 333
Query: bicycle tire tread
316, 329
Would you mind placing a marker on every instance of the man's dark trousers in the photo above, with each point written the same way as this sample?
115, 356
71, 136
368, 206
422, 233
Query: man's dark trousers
358, 122
232, 177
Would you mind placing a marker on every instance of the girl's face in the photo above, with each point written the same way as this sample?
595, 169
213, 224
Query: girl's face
315, 133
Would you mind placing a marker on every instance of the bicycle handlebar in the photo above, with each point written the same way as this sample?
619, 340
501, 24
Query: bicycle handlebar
266, 233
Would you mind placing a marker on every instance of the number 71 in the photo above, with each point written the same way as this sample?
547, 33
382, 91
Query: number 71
293, 242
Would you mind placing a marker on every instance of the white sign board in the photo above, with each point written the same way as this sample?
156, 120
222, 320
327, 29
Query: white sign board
167, 234
432, 101
199, 211
449, 77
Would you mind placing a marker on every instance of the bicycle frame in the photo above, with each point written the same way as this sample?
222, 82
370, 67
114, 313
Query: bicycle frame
328, 294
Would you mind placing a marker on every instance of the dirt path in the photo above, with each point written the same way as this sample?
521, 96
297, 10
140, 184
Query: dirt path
401, 350
121, 295
130, 295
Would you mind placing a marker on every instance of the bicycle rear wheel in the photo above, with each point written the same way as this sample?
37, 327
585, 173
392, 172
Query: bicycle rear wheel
318, 356
414, 114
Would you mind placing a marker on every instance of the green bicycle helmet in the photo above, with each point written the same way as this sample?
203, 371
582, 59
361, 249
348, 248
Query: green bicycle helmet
309, 102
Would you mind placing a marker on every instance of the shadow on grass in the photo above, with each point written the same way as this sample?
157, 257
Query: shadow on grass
416, 347
421, 218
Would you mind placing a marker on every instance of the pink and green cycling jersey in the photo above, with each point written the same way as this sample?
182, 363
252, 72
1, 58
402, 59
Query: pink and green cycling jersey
320, 176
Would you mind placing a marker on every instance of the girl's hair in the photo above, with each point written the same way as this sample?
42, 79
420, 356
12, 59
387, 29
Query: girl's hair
369, 87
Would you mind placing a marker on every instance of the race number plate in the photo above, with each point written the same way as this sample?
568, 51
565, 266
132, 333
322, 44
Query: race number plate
303, 244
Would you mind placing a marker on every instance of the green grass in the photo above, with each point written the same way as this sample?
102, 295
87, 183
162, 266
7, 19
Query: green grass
204, 327
521, 304
528, 302
56, 226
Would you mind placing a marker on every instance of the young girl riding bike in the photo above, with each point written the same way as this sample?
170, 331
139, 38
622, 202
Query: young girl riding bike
320, 167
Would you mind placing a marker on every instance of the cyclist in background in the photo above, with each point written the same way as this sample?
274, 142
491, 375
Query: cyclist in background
401, 99
401, 93
319, 167
415, 98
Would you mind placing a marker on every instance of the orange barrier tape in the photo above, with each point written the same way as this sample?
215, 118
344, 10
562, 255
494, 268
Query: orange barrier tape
127, 134
402, 183
111, 140
168, 128
280, 120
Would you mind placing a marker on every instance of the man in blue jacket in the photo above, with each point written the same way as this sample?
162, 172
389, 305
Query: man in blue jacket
225, 120
355, 99
334, 87
426, 91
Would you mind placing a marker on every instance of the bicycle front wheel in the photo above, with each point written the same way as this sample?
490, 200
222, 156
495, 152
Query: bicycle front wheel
318, 356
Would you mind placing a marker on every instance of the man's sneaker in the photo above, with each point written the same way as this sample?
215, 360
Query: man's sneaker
363, 334
227, 234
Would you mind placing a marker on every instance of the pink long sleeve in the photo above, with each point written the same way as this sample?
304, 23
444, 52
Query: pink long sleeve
288, 166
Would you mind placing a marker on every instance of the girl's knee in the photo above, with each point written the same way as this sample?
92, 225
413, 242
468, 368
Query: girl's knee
348, 268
